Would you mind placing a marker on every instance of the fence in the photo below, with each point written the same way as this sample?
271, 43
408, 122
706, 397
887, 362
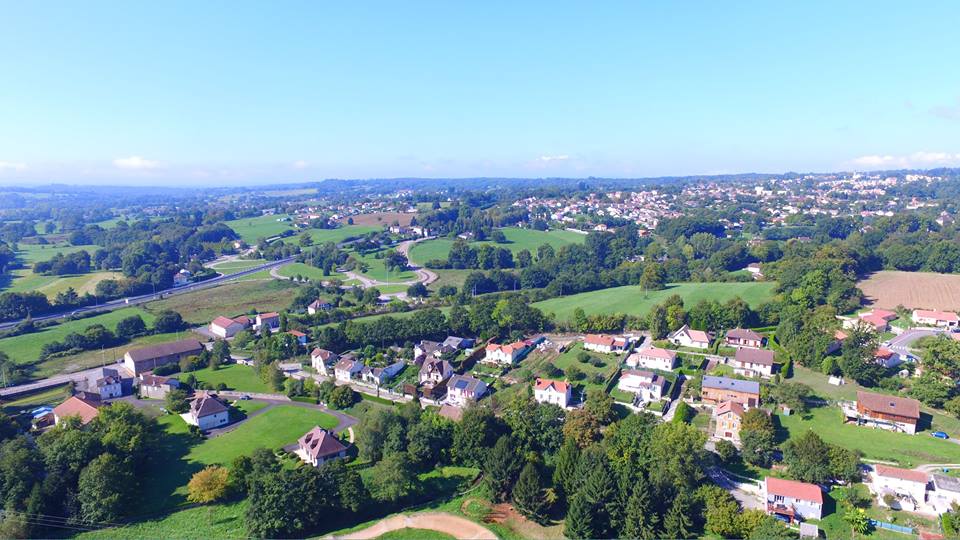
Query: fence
891, 527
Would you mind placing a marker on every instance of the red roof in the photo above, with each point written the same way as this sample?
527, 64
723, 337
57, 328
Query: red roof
86, 409
883, 353
902, 474
881, 403
885, 313
599, 339
223, 322
296, 333
545, 384
839, 334
656, 352
729, 406
793, 489
875, 320
938, 315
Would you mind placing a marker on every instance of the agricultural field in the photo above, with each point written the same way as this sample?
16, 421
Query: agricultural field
231, 299
31, 253
322, 236
310, 272
232, 267
97, 357
25, 349
25, 280
913, 290
633, 300
517, 240
380, 219
253, 228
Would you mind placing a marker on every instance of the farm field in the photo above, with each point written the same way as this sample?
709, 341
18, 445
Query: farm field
232, 267
517, 240
31, 253
25, 280
253, 228
913, 290
378, 270
310, 272
322, 236
231, 299
94, 358
25, 349
237, 377
632, 300
371, 318
380, 219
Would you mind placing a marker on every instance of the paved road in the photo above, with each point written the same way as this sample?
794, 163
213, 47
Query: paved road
747, 499
49, 382
142, 299
901, 344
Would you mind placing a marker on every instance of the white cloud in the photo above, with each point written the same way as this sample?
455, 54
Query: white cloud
548, 159
11, 166
135, 162
300, 164
909, 161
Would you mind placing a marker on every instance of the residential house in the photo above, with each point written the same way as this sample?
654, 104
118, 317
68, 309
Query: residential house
945, 493
318, 305
755, 270
876, 322
883, 411
347, 369
754, 362
646, 385
182, 278
457, 343
791, 500
837, 343
323, 360
603, 343
462, 389
380, 375
269, 321
207, 412
688, 337
550, 391
743, 337
106, 383
156, 387
507, 354
318, 446
727, 417
886, 358
137, 361
225, 328
906, 487
946, 319
300, 336
84, 406
426, 348
715, 390
435, 371
653, 358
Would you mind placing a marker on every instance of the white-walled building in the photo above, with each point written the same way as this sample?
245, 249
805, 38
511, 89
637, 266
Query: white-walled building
653, 358
551, 391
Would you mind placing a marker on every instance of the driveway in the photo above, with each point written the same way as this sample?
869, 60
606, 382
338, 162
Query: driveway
457, 527
742, 492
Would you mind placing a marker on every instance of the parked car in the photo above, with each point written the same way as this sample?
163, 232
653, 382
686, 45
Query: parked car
940, 435
244, 397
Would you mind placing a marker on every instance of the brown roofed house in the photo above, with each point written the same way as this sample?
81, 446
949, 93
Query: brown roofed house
743, 337
318, 446
886, 412
149, 358
84, 406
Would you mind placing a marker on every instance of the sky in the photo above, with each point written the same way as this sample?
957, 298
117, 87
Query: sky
236, 92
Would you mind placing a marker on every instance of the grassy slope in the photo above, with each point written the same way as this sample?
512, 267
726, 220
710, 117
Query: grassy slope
254, 228
31, 253
26, 280
25, 348
377, 270
632, 300
231, 299
517, 239
232, 267
321, 236
88, 359
307, 271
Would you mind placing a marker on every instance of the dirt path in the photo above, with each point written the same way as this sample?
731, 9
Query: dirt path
458, 527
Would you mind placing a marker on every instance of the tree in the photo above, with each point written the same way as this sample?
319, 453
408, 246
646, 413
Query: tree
131, 327
857, 519
765, 528
392, 479
176, 401
528, 495
757, 437
341, 397
792, 394
677, 523
722, 511
477, 430
501, 468
654, 277
579, 521
417, 290
565, 471
168, 321
658, 325
726, 450
677, 450
208, 485
640, 521
105, 489
807, 458
600, 489
581, 427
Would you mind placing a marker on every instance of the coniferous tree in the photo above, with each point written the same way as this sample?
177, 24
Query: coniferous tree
640, 522
501, 467
677, 522
579, 522
599, 488
528, 496
565, 472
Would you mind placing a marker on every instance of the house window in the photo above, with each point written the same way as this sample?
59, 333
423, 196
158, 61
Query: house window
778, 498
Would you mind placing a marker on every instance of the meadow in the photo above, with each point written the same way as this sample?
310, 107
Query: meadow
376, 269
232, 267
230, 299
253, 228
322, 236
517, 240
98, 357
633, 300
25, 280
236, 376
310, 272
31, 253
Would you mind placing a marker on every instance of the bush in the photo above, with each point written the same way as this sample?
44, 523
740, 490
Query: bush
574, 373
583, 357
596, 362
341, 397
726, 450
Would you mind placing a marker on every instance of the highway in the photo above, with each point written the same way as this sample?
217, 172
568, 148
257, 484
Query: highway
144, 298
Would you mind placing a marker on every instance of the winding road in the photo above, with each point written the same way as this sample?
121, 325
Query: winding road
455, 526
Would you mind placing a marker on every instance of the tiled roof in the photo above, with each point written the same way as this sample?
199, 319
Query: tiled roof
320, 443
743, 333
882, 403
755, 356
84, 407
794, 489
724, 383
902, 474
165, 349
546, 384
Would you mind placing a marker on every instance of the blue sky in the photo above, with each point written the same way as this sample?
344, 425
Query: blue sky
266, 92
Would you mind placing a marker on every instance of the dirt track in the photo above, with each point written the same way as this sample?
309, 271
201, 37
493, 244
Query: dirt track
458, 527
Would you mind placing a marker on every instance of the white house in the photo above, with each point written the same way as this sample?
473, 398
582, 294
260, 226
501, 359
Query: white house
435, 371
224, 327
156, 387
754, 362
653, 358
646, 385
945, 493
550, 391
207, 412
323, 360
907, 488
603, 343
380, 375
791, 500
462, 389
688, 337
946, 319
318, 446
318, 305
506, 354
269, 321
347, 369
104, 382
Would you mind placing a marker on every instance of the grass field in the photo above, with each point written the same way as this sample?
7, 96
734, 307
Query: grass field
322, 236
94, 358
202, 522
231, 299
25, 280
253, 228
517, 239
376, 269
632, 300
235, 376
25, 349
53, 397
310, 272
410, 533
232, 267
31, 253
913, 290
371, 318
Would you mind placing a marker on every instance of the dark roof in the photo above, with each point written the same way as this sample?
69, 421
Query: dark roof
723, 383
205, 405
465, 383
165, 349
755, 356
882, 403
320, 443
743, 333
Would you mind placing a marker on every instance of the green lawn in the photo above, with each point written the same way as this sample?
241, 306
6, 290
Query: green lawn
235, 376
25, 349
450, 277
411, 533
376, 269
31, 253
371, 318
94, 358
878, 444
202, 522
52, 397
310, 272
322, 236
517, 240
230, 299
232, 267
253, 228
25, 280
632, 300
611, 363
